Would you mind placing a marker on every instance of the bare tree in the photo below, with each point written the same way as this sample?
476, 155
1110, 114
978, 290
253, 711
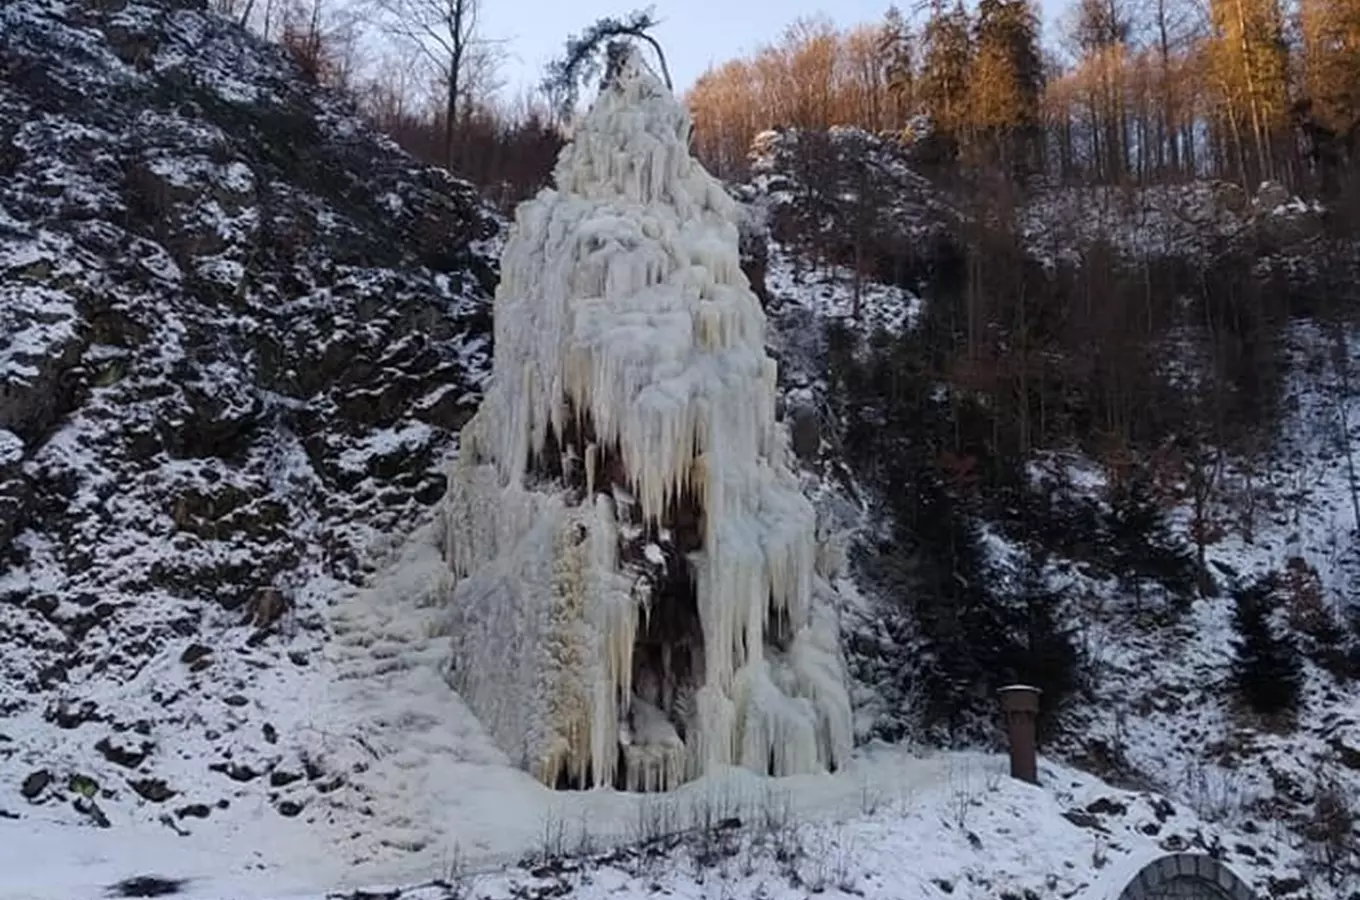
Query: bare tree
1341, 363
239, 10
445, 33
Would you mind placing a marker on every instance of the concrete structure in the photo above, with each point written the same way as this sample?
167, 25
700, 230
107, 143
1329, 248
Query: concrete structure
1186, 876
1020, 703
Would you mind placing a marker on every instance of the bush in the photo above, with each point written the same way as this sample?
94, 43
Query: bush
1139, 542
1268, 668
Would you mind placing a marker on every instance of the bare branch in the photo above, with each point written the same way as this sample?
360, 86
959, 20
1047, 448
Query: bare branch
583, 58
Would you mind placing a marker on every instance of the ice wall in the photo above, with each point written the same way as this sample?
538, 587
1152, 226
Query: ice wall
638, 599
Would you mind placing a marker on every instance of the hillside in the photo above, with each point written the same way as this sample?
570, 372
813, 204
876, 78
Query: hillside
1155, 705
237, 329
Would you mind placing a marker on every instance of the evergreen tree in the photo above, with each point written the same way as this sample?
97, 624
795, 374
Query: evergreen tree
942, 87
1330, 105
899, 74
1043, 649
1249, 60
963, 629
1140, 544
1268, 667
1006, 83
973, 633
1331, 67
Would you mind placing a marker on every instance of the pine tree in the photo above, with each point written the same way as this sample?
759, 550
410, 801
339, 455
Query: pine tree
1006, 82
1268, 667
1331, 46
964, 633
899, 74
1330, 100
895, 426
1141, 546
942, 87
1249, 62
1043, 650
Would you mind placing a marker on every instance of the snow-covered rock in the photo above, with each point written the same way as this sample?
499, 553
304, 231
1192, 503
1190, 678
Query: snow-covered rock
226, 358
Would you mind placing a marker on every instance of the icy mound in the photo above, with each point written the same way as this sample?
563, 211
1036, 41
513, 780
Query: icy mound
641, 595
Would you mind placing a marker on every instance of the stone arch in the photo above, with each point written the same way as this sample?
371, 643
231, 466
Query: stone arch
1186, 876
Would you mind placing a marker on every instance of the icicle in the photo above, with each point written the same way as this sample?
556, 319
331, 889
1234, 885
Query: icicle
778, 732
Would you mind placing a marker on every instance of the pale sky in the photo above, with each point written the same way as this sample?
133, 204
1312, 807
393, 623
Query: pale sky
694, 33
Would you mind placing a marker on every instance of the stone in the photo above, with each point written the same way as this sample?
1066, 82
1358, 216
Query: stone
153, 789
235, 771
193, 653
122, 755
146, 886
35, 784
1348, 755
283, 778
1270, 196
806, 432
1230, 198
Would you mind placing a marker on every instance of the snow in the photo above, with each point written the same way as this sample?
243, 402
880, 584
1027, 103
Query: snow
11, 447
1163, 708
171, 446
951, 825
1300, 491
1189, 220
828, 292
385, 443
622, 310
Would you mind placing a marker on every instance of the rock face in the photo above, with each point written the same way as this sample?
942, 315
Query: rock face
638, 598
238, 330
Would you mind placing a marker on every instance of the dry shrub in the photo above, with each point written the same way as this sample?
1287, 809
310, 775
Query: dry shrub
1309, 612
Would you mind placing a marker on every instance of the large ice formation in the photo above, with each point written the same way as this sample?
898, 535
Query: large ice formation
640, 594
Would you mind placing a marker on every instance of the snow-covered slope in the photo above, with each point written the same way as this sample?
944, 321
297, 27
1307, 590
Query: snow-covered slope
1162, 712
1192, 220
237, 332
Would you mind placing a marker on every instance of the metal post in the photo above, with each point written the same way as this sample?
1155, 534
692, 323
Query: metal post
1020, 704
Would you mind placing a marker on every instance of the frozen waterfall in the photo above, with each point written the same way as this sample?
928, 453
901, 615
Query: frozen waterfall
637, 598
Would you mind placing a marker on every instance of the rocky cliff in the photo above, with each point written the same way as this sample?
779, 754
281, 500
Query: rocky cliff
238, 330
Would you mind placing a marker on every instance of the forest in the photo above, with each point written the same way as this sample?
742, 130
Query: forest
1141, 93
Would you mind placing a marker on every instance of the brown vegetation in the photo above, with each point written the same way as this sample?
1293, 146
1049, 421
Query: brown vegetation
1144, 93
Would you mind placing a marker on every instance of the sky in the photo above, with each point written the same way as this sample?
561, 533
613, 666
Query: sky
694, 33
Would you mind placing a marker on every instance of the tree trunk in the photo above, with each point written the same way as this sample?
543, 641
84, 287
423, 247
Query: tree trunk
450, 117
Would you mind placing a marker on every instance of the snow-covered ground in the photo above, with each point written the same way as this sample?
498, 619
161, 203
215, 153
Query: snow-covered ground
406, 788
894, 825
